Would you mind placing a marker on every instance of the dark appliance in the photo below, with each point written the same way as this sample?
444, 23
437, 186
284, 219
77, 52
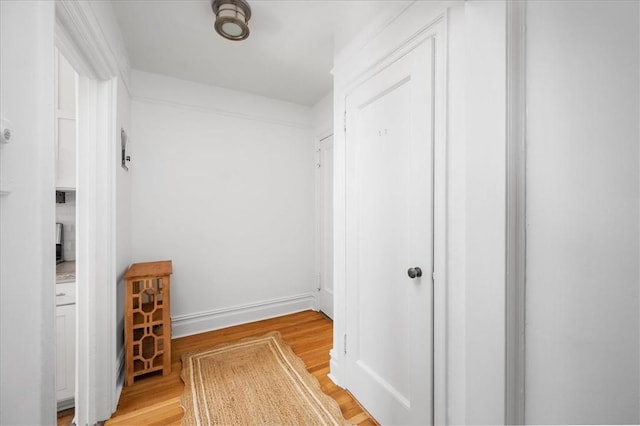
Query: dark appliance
59, 242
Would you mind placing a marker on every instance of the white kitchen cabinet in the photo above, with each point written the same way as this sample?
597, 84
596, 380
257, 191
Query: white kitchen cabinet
65, 125
66, 344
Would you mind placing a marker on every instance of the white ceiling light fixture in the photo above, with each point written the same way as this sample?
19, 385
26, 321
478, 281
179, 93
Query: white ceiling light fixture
232, 18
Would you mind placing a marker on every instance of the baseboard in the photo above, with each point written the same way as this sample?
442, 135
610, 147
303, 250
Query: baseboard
187, 325
334, 369
66, 403
119, 376
334, 379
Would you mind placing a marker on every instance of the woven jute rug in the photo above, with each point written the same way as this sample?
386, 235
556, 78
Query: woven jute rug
258, 380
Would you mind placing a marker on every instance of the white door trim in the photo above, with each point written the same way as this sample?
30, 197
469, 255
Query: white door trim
515, 220
96, 289
77, 39
437, 29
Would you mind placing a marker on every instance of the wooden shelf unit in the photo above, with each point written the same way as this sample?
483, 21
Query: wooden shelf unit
147, 323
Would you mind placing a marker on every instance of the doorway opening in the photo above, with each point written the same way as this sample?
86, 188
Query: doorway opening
97, 366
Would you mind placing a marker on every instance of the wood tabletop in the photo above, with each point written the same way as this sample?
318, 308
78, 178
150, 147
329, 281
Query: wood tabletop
149, 269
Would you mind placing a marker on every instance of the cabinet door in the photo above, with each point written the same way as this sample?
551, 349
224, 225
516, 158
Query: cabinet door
66, 125
66, 353
66, 166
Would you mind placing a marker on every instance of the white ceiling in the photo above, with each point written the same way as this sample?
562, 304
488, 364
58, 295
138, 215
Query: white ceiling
288, 56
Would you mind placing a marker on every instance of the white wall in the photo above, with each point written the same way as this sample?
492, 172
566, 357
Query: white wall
27, 215
223, 185
323, 115
582, 212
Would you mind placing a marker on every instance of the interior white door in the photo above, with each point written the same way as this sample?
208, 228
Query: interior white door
325, 190
389, 159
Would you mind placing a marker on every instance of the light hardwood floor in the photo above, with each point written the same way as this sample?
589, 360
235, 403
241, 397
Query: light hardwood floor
155, 400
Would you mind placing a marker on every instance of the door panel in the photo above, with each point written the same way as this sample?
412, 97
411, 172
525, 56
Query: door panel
65, 351
389, 230
325, 177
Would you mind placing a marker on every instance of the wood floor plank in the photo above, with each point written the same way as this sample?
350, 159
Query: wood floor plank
65, 417
155, 399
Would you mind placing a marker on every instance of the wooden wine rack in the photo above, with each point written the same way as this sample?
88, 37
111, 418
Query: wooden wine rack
148, 319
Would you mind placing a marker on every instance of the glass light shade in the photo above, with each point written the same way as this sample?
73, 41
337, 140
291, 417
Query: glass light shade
232, 29
232, 18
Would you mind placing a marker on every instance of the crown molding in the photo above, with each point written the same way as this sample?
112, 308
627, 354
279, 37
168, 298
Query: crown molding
81, 38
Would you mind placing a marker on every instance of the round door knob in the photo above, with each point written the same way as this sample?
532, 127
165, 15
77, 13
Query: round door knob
414, 272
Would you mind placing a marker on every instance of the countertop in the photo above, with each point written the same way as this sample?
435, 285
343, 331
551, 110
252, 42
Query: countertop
66, 272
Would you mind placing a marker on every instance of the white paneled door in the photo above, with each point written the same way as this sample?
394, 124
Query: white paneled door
325, 192
389, 149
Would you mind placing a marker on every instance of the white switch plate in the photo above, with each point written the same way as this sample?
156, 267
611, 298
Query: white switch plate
5, 187
6, 131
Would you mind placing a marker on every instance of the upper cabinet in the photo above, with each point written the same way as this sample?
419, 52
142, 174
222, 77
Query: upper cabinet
65, 125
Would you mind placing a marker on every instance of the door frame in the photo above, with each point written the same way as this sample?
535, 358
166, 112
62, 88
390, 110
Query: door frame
435, 28
97, 362
515, 289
